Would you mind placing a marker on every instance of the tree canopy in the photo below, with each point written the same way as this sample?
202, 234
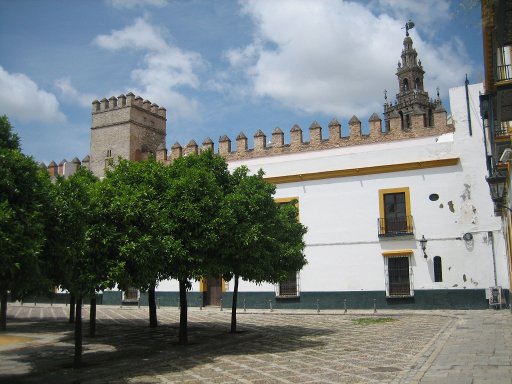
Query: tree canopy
23, 198
263, 239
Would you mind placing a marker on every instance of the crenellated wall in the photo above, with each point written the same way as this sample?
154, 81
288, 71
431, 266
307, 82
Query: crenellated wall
275, 144
132, 128
125, 126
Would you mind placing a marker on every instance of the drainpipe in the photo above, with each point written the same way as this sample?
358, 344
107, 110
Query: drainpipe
466, 83
491, 237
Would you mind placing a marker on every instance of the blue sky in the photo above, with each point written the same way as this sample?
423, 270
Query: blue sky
220, 67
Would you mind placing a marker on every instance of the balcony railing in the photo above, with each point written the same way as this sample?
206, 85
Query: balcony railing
503, 72
396, 226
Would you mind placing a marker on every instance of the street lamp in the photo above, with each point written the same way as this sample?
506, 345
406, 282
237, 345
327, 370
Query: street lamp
497, 184
423, 243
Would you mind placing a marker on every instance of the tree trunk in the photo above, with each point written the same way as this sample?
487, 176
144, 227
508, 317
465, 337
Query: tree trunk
78, 333
183, 335
233, 306
71, 308
3, 310
92, 317
153, 322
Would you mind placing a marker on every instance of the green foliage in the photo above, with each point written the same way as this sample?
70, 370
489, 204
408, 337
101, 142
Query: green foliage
194, 213
133, 199
78, 249
8, 139
23, 196
263, 240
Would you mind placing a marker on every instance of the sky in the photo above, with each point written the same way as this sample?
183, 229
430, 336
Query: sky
220, 67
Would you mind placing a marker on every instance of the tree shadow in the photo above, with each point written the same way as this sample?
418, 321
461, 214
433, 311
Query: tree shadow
129, 348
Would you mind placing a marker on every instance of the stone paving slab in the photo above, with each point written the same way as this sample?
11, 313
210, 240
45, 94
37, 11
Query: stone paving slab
278, 347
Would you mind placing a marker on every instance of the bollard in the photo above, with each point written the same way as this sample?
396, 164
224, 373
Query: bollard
374, 305
317, 305
35, 301
270, 303
138, 303
245, 310
158, 303
345, 305
221, 305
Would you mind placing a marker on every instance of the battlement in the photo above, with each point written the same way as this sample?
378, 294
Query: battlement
66, 168
124, 101
276, 143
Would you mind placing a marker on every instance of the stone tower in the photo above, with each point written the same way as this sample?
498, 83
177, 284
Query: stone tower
412, 105
127, 127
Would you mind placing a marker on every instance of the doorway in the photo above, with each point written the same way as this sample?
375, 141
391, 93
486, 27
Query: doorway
213, 292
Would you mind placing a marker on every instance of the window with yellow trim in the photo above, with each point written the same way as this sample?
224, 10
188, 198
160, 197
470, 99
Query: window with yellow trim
395, 212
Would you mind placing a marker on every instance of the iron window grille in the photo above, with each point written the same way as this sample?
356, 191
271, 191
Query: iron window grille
290, 287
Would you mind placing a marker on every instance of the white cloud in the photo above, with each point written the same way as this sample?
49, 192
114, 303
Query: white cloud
70, 94
165, 67
136, 3
140, 35
332, 57
21, 98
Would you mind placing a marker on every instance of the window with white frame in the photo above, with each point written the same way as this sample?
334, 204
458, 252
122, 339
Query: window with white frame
398, 275
289, 287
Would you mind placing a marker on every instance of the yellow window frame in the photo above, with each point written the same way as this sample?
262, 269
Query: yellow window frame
386, 191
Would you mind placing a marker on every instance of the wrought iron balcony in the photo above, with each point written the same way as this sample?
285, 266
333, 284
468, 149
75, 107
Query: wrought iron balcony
503, 72
396, 226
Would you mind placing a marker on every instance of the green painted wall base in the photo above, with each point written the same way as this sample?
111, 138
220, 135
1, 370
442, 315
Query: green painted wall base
422, 299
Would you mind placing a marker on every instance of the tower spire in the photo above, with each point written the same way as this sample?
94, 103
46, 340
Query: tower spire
412, 99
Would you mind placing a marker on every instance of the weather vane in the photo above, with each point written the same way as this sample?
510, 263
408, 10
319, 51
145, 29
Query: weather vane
408, 25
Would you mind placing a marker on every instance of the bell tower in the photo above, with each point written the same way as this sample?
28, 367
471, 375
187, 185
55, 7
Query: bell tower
412, 100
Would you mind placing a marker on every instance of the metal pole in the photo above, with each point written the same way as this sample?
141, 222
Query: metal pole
345, 305
466, 83
374, 305
245, 310
158, 303
270, 303
317, 305
221, 305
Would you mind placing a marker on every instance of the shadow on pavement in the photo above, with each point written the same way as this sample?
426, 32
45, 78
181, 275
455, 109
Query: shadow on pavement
124, 349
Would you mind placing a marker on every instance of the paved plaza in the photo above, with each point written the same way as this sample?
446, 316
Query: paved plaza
270, 347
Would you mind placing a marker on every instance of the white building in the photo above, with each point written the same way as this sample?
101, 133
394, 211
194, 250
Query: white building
400, 217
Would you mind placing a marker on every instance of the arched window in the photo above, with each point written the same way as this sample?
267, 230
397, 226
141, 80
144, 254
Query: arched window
406, 85
417, 84
438, 270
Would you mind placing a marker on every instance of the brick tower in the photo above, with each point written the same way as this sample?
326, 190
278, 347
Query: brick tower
127, 127
412, 105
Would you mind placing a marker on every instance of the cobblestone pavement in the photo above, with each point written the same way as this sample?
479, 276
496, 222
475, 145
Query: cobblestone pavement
277, 347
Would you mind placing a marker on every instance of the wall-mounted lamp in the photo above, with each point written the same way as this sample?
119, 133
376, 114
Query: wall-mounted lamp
497, 185
423, 243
